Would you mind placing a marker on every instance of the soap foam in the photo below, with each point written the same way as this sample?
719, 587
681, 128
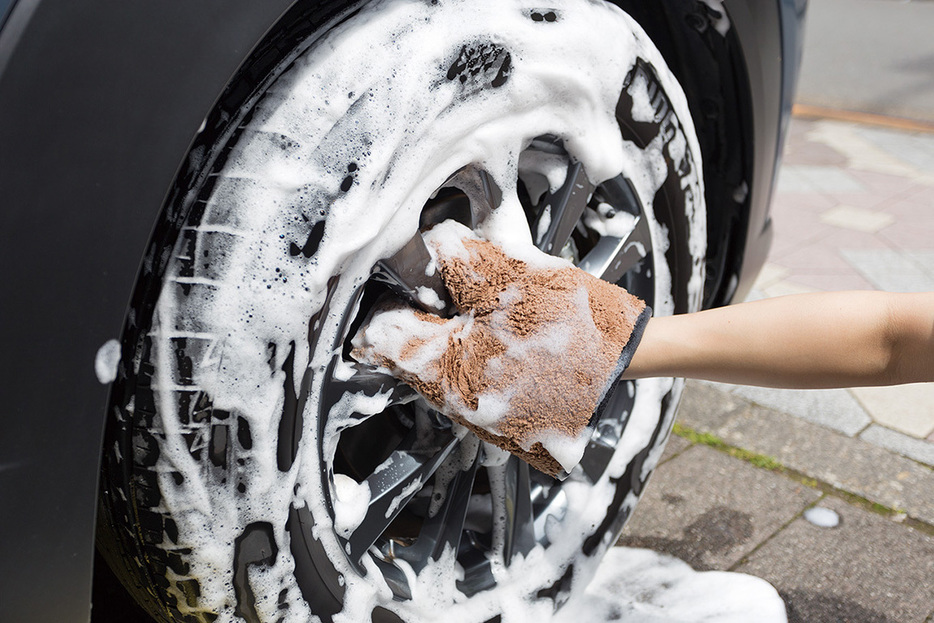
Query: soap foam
106, 361
641, 586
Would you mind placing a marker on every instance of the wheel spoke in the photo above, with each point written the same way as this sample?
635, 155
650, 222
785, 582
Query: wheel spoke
562, 210
484, 193
444, 528
519, 537
405, 273
612, 257
395, 481
609, 431
369, 382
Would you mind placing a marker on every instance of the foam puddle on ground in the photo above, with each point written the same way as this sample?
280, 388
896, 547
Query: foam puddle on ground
641, 586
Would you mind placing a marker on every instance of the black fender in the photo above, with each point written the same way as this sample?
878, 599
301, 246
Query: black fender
99, 102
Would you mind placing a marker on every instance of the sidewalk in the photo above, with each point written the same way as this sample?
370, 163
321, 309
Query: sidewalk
854, 208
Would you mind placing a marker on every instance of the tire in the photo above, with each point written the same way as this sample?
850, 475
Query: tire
252, 470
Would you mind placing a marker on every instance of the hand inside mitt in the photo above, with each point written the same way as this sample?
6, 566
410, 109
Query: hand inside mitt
528, 359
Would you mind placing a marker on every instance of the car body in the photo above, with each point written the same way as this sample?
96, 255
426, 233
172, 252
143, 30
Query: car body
99, 104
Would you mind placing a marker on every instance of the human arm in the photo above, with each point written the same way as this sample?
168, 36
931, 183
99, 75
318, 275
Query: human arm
819, 340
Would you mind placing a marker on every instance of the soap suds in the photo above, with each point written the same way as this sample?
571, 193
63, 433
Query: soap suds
107, 361
822, 517
350, 503
641, 586
718, 16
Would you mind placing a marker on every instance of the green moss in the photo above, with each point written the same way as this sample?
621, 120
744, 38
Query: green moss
772, 464
707, 439
695, 437
759, 460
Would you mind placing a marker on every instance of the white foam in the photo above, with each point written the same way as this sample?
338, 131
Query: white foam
543, 224
106, 361
394, 330
722, 23
822, 517
447, 237
542, 171
642, 108
641, 586
607, 221
564, 448
350, 504
429, 297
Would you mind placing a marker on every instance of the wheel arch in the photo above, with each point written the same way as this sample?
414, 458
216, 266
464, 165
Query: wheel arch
729, 78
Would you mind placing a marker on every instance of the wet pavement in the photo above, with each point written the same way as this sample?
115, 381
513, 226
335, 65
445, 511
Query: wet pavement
854, 209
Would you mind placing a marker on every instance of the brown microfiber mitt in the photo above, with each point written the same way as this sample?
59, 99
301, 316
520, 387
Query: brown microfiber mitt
528, 359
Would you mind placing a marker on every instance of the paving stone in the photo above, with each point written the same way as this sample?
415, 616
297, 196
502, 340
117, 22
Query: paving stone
862, 154
852, 465
706, 406
883, 184
914, 206
868, 569
816, 264
805, 152
710, 510
830, 283
905, 408
770, 273
857, 219
915, 149
921, 192
848, 239
801, 223
674, 446
862, 200
786, 288
815, 256
908, 234
806, 201
834, 408
918, 449
817, 179
890, 270
924, 259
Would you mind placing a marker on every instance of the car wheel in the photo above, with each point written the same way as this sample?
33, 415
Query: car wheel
252, 469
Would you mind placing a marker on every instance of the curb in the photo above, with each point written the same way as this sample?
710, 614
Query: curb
807, 111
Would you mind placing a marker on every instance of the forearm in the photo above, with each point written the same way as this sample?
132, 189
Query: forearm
841, 339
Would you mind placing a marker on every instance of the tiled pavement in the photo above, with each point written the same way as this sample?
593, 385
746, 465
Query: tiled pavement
854, 209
